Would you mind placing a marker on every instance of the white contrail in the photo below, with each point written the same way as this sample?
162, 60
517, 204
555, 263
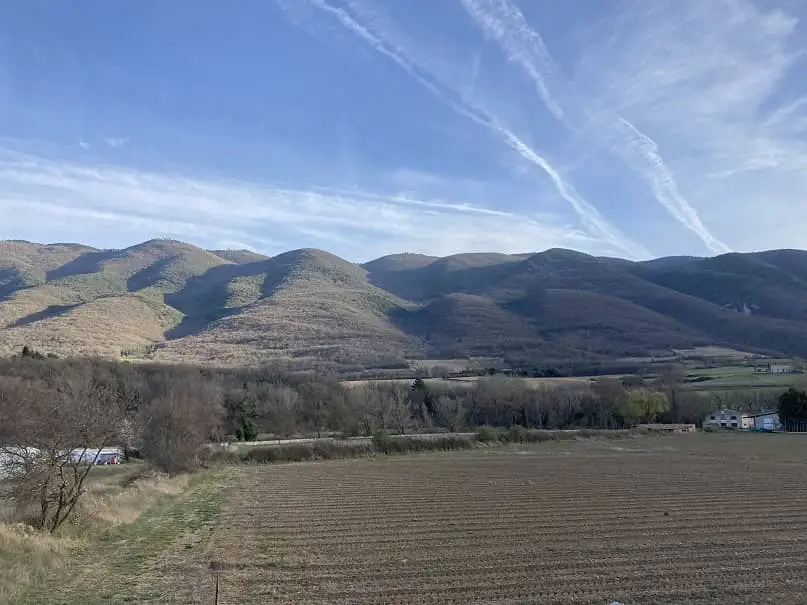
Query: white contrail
503, 22
532, 56
589, 215
666, 189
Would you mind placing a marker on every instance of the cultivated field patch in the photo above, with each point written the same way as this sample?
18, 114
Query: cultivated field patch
686, 519
696, 519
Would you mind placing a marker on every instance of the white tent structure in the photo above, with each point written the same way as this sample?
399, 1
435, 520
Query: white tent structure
14, 459
107, 455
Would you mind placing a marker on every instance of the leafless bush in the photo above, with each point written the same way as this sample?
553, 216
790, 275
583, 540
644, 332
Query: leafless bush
48, 428
179, 422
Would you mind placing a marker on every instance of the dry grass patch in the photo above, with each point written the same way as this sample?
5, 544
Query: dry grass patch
28, 558
138, 562
106, 508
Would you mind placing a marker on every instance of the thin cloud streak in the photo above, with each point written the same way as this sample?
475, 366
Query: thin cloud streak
426, 77
721, 86
666, 191
269, 218
503, 22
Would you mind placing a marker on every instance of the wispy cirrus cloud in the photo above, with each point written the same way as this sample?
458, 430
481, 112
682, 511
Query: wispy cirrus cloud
83, 202
697, 103
366, 23
722, 87
504, 22
674, 125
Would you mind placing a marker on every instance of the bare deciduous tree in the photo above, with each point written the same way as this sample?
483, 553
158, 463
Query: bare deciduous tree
452, 412
53, 430
315, 398
187, 414
396, 397
279, 406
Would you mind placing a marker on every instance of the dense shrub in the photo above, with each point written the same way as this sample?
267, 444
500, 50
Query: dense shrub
213, 455
517, 434
487, 434
300, 452
382, 442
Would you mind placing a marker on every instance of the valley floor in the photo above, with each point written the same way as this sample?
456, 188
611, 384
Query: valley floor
696, 518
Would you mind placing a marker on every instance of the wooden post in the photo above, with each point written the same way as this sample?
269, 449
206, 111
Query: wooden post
215, 568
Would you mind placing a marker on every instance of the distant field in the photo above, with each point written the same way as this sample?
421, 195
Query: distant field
712, 352
722, 378
470, 381
696, 519
728, 377
456, 365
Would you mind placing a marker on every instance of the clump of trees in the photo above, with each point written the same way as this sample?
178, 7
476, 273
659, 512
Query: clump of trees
792, 409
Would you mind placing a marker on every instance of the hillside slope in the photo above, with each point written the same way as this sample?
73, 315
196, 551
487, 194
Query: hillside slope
306, 305
170, 301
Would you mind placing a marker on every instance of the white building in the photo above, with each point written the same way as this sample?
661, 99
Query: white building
729, 419
767, 421
780, 368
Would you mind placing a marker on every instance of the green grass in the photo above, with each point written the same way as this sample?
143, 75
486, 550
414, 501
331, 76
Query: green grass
130, 563
740, 377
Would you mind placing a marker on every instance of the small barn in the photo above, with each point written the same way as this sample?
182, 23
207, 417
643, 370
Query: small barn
729, 419
766, 421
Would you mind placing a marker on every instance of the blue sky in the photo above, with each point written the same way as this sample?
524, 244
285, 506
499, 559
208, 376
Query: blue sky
368, 127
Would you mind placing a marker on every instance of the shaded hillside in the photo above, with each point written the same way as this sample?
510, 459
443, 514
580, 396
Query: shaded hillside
745, 283
599, 324
464, 324
309, 306
416, 279
170, 301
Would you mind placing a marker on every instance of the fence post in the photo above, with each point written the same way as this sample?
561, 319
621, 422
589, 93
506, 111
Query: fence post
215, 568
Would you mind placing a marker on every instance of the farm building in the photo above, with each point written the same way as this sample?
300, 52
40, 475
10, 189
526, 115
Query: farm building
108, 455
766, 421
729, 419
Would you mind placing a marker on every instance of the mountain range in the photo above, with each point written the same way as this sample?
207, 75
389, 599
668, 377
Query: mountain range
166, 300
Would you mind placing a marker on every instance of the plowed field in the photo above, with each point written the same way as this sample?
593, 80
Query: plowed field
699, 518
685, 519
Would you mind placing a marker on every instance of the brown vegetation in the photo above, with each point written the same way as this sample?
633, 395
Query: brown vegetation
651, 520
48, 426
169, 301
114, 497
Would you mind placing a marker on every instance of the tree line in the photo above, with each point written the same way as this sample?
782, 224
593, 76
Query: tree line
166, 414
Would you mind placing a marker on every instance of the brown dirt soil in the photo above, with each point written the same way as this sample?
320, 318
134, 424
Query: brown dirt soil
690, 519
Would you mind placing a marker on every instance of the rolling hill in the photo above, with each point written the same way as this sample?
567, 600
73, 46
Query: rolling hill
170, 301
